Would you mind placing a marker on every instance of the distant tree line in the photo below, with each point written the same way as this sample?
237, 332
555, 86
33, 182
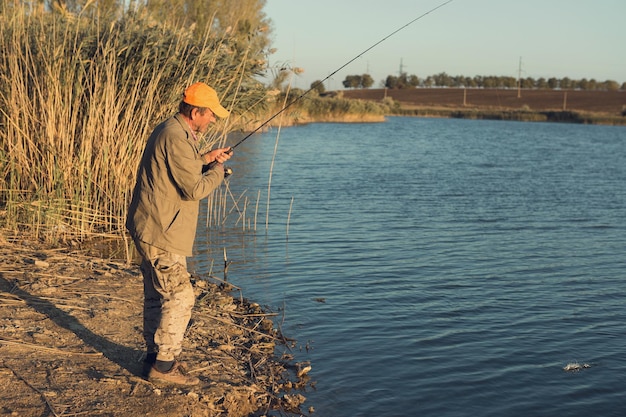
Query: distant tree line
358, 81
481, 81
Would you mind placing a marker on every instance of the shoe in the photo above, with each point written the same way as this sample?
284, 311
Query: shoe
177, 375
148, 362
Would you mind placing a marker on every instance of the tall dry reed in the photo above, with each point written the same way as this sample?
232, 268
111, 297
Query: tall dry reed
78, 98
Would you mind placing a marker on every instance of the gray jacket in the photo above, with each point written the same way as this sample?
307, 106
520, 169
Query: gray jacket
164, 208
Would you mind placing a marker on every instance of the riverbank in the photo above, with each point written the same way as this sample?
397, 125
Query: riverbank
571, 106
521, 115
302, 118
71, 344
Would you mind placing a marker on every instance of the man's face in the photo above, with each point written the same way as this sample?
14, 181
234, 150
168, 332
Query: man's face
201, 122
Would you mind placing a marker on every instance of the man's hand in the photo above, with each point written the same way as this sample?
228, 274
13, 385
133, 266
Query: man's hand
219, 155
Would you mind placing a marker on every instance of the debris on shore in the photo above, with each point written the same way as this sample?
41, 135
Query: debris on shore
71, 344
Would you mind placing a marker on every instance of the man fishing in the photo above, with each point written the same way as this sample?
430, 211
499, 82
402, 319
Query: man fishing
173, 177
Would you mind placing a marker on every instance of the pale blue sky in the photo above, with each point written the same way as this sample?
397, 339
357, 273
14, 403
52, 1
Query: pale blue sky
553, 38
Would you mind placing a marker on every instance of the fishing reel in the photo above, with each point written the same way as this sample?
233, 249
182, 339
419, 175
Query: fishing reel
227, 170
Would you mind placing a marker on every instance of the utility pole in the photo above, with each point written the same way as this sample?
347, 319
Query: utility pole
401, 68
519, 79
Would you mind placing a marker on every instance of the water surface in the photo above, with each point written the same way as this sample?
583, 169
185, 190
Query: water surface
440, 267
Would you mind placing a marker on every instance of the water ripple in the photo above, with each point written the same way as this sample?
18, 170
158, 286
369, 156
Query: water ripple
458, 274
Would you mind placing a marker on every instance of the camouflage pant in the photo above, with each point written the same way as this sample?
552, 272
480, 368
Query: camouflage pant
168, 300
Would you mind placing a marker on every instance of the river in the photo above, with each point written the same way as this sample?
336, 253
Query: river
438, 267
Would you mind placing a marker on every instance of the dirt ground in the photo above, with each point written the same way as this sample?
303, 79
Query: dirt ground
71, 344
609, 102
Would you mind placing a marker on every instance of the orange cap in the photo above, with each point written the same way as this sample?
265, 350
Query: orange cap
201, 95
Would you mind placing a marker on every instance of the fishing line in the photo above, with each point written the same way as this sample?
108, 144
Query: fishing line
315, 85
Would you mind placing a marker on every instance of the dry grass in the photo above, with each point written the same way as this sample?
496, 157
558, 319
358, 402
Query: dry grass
78, 98
71, 344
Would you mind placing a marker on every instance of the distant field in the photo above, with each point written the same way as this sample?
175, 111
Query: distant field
610, 102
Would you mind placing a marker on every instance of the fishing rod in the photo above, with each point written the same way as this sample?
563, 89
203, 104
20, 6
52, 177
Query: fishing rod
318, 83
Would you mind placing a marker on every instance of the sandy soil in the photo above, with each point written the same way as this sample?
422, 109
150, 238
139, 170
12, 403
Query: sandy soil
71, 345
